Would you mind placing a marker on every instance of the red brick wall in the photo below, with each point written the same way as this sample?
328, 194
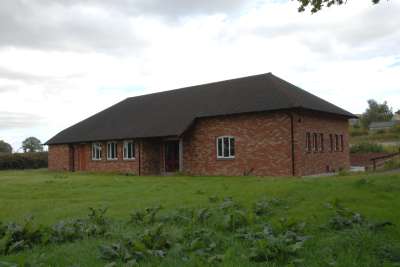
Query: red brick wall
59, 158
308, 163
262, 144
83, 159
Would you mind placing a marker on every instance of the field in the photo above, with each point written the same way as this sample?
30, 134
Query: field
218, 221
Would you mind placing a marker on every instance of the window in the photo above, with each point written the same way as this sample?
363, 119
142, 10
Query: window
321, 142
129, 150
315, 142
341, 142
112, 151
331, 142
336, 142
225, 147
96, 151
308, 142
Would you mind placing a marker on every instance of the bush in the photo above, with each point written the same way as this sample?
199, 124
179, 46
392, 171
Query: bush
358, 131
366, 147
395, 129
23, 161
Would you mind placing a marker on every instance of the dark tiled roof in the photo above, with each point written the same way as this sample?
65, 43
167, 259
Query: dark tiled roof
169, 113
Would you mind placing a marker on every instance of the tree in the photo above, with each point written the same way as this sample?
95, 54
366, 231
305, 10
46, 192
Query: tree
376, 112
317, 5
32, 144
5, 147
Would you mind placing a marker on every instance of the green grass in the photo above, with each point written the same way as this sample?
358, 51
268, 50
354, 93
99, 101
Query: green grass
51, 197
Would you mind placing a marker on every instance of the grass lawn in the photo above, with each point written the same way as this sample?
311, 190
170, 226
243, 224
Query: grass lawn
51, 197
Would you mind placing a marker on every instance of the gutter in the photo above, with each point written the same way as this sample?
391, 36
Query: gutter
140, 147
292, 143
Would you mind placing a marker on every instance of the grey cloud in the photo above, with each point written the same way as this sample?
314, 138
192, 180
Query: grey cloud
10, 120
32, 24
373, 33
20, 76
163, 8
104, 26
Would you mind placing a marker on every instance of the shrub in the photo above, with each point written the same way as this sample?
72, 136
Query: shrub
24, 161
358, 131
392, 164
366, 147
395, 129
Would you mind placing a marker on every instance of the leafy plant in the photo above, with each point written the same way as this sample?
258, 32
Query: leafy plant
17, 237
366, 147
234, 220
262, 207
152, 243
203, 244
146, 216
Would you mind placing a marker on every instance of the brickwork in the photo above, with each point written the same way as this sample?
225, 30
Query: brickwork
262, 147
262, 144
59, 158
83, 159
308, 163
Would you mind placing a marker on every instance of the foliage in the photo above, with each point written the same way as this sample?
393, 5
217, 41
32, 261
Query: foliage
317, 5
153, 242
392, 164
203, 243
376, 112
344, 218
32, 144
366, 147
16, 237
5, 148
358, 131
146, 216
24, 161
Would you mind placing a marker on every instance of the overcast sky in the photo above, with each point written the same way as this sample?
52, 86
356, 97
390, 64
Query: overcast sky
62, 61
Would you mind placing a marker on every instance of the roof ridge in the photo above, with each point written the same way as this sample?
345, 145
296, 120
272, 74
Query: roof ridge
202, 84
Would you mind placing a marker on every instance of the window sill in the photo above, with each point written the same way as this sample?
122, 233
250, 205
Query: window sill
112, 159
132, 159
231, 158
96, 159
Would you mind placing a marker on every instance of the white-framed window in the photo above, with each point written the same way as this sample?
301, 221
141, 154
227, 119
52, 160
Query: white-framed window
112, 151
226, 147
129, 150
96, 151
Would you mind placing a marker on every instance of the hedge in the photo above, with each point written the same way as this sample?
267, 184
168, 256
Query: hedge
23, 161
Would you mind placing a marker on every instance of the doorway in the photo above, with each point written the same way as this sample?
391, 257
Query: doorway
171, 156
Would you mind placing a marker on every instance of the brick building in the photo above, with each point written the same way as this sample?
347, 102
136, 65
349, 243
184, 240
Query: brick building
257, 125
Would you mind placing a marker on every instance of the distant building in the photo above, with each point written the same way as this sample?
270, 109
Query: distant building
383, 125
355, 121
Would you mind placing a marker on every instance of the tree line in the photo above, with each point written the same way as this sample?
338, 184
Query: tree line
376, 112
30, 144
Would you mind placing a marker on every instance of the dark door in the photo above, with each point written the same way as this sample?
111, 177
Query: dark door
171, 156
81, 158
